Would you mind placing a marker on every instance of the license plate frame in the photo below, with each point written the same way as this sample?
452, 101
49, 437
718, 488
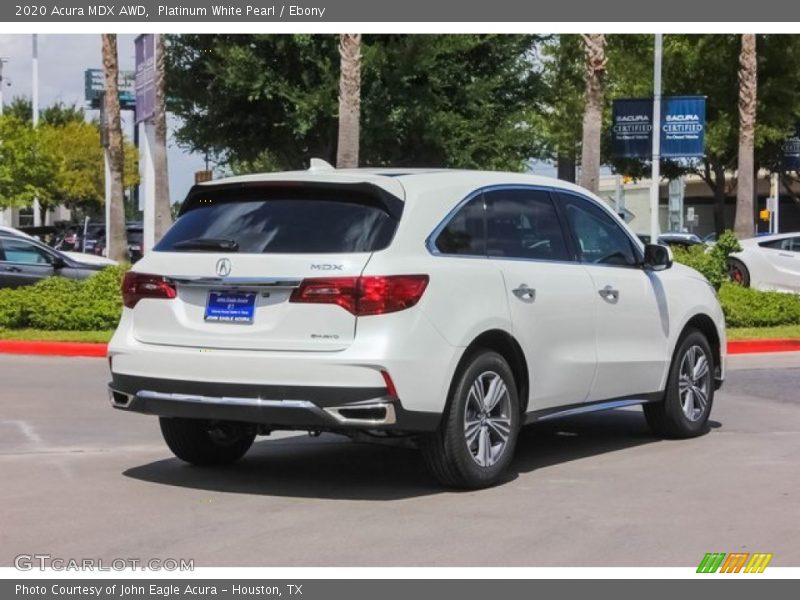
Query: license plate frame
226, 306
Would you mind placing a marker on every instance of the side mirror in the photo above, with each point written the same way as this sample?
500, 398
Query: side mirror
58, 263
657, 257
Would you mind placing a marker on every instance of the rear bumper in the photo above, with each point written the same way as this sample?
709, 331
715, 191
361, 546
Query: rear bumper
274, 406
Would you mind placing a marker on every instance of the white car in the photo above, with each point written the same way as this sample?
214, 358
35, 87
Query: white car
448, 307
769, 262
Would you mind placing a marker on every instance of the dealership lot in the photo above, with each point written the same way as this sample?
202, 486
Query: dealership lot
80, 480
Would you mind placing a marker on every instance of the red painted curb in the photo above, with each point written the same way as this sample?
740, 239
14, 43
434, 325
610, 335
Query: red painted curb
755, 346
100, 350
53, 348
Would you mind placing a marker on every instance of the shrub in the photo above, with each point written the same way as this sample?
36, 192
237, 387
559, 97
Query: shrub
746, 307
713, 262
60, 303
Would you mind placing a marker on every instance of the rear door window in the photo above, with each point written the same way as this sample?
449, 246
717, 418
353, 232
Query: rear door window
522, 223
266, 224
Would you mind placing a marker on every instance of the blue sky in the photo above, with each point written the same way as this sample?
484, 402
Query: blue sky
62, 62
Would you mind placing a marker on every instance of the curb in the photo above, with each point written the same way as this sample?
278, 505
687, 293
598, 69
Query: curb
53, 348
759, 346
100, 350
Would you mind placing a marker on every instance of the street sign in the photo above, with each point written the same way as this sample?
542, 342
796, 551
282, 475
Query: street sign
95, 86
682, 128
145, 76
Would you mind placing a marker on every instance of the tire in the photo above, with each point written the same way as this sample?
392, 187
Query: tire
481, 460
738, 272
682, 413
207, 443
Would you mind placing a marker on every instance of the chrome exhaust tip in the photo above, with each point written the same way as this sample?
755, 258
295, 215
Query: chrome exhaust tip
119, 399
368, 414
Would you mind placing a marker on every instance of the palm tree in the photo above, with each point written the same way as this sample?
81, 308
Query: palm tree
163, 214
116, 238
595, 49
349, 99
744, 225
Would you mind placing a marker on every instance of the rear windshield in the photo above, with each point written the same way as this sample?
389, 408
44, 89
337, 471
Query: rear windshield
281, 225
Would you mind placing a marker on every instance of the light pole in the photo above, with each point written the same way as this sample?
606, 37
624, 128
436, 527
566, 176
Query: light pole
37, 213
3, 60
656, 128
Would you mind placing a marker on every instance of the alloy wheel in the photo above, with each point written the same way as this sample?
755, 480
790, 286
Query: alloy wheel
694, 382
487, 419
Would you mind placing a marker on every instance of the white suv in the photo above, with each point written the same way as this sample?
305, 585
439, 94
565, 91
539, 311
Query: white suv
450, 307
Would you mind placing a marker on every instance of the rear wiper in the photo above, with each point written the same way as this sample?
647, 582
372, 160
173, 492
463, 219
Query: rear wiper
202, 243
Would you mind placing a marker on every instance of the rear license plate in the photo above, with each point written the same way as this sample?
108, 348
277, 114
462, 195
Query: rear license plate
230, 307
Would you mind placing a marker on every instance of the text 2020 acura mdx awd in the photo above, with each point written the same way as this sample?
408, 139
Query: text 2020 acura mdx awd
451, 307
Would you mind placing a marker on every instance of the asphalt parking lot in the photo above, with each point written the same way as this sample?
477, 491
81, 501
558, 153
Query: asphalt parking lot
82, 480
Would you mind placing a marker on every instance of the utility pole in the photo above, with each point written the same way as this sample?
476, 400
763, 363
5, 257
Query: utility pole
656, 163
37, 213
3, 60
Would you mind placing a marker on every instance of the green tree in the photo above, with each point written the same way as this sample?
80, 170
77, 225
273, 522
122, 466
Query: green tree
558, 131
27, 169
426, 100
58, 163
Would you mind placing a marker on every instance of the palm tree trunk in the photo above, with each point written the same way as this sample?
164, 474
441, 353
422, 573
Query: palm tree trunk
163, 215
744, 225
349, 100
595, 48
116, 237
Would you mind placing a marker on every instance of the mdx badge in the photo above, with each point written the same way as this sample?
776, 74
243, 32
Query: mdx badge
326, 267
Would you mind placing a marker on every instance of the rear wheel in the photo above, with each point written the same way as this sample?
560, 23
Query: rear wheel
206, 443
475, 442
690, 391
738, 273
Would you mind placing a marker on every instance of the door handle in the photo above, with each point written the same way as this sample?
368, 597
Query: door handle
609, 293
12, 270
525, 293
785, 254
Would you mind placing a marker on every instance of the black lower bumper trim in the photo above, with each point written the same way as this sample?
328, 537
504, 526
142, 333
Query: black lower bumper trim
227, 402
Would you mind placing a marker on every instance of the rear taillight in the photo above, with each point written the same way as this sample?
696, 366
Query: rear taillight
136, 286
363, 296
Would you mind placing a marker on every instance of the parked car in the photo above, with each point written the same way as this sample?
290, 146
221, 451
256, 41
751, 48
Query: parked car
680, 238
24, 261
80, 257
94, 231
445, 307
768, 262
135, 235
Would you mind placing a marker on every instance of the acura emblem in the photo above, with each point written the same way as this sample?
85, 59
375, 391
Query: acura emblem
224, 267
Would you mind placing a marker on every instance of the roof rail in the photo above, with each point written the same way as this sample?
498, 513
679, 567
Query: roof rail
317, 164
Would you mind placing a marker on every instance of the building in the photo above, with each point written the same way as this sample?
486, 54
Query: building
698, 200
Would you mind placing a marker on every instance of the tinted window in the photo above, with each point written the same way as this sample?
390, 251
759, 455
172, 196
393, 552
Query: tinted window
290, 225
20, 251
790, 244
523, 224
599, 237
465, 232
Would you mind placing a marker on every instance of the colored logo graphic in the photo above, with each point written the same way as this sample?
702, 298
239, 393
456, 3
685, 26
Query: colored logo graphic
737, 562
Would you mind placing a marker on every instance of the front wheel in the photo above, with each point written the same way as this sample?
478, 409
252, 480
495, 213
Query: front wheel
738, 273
689, 395
207, 443
475, 442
